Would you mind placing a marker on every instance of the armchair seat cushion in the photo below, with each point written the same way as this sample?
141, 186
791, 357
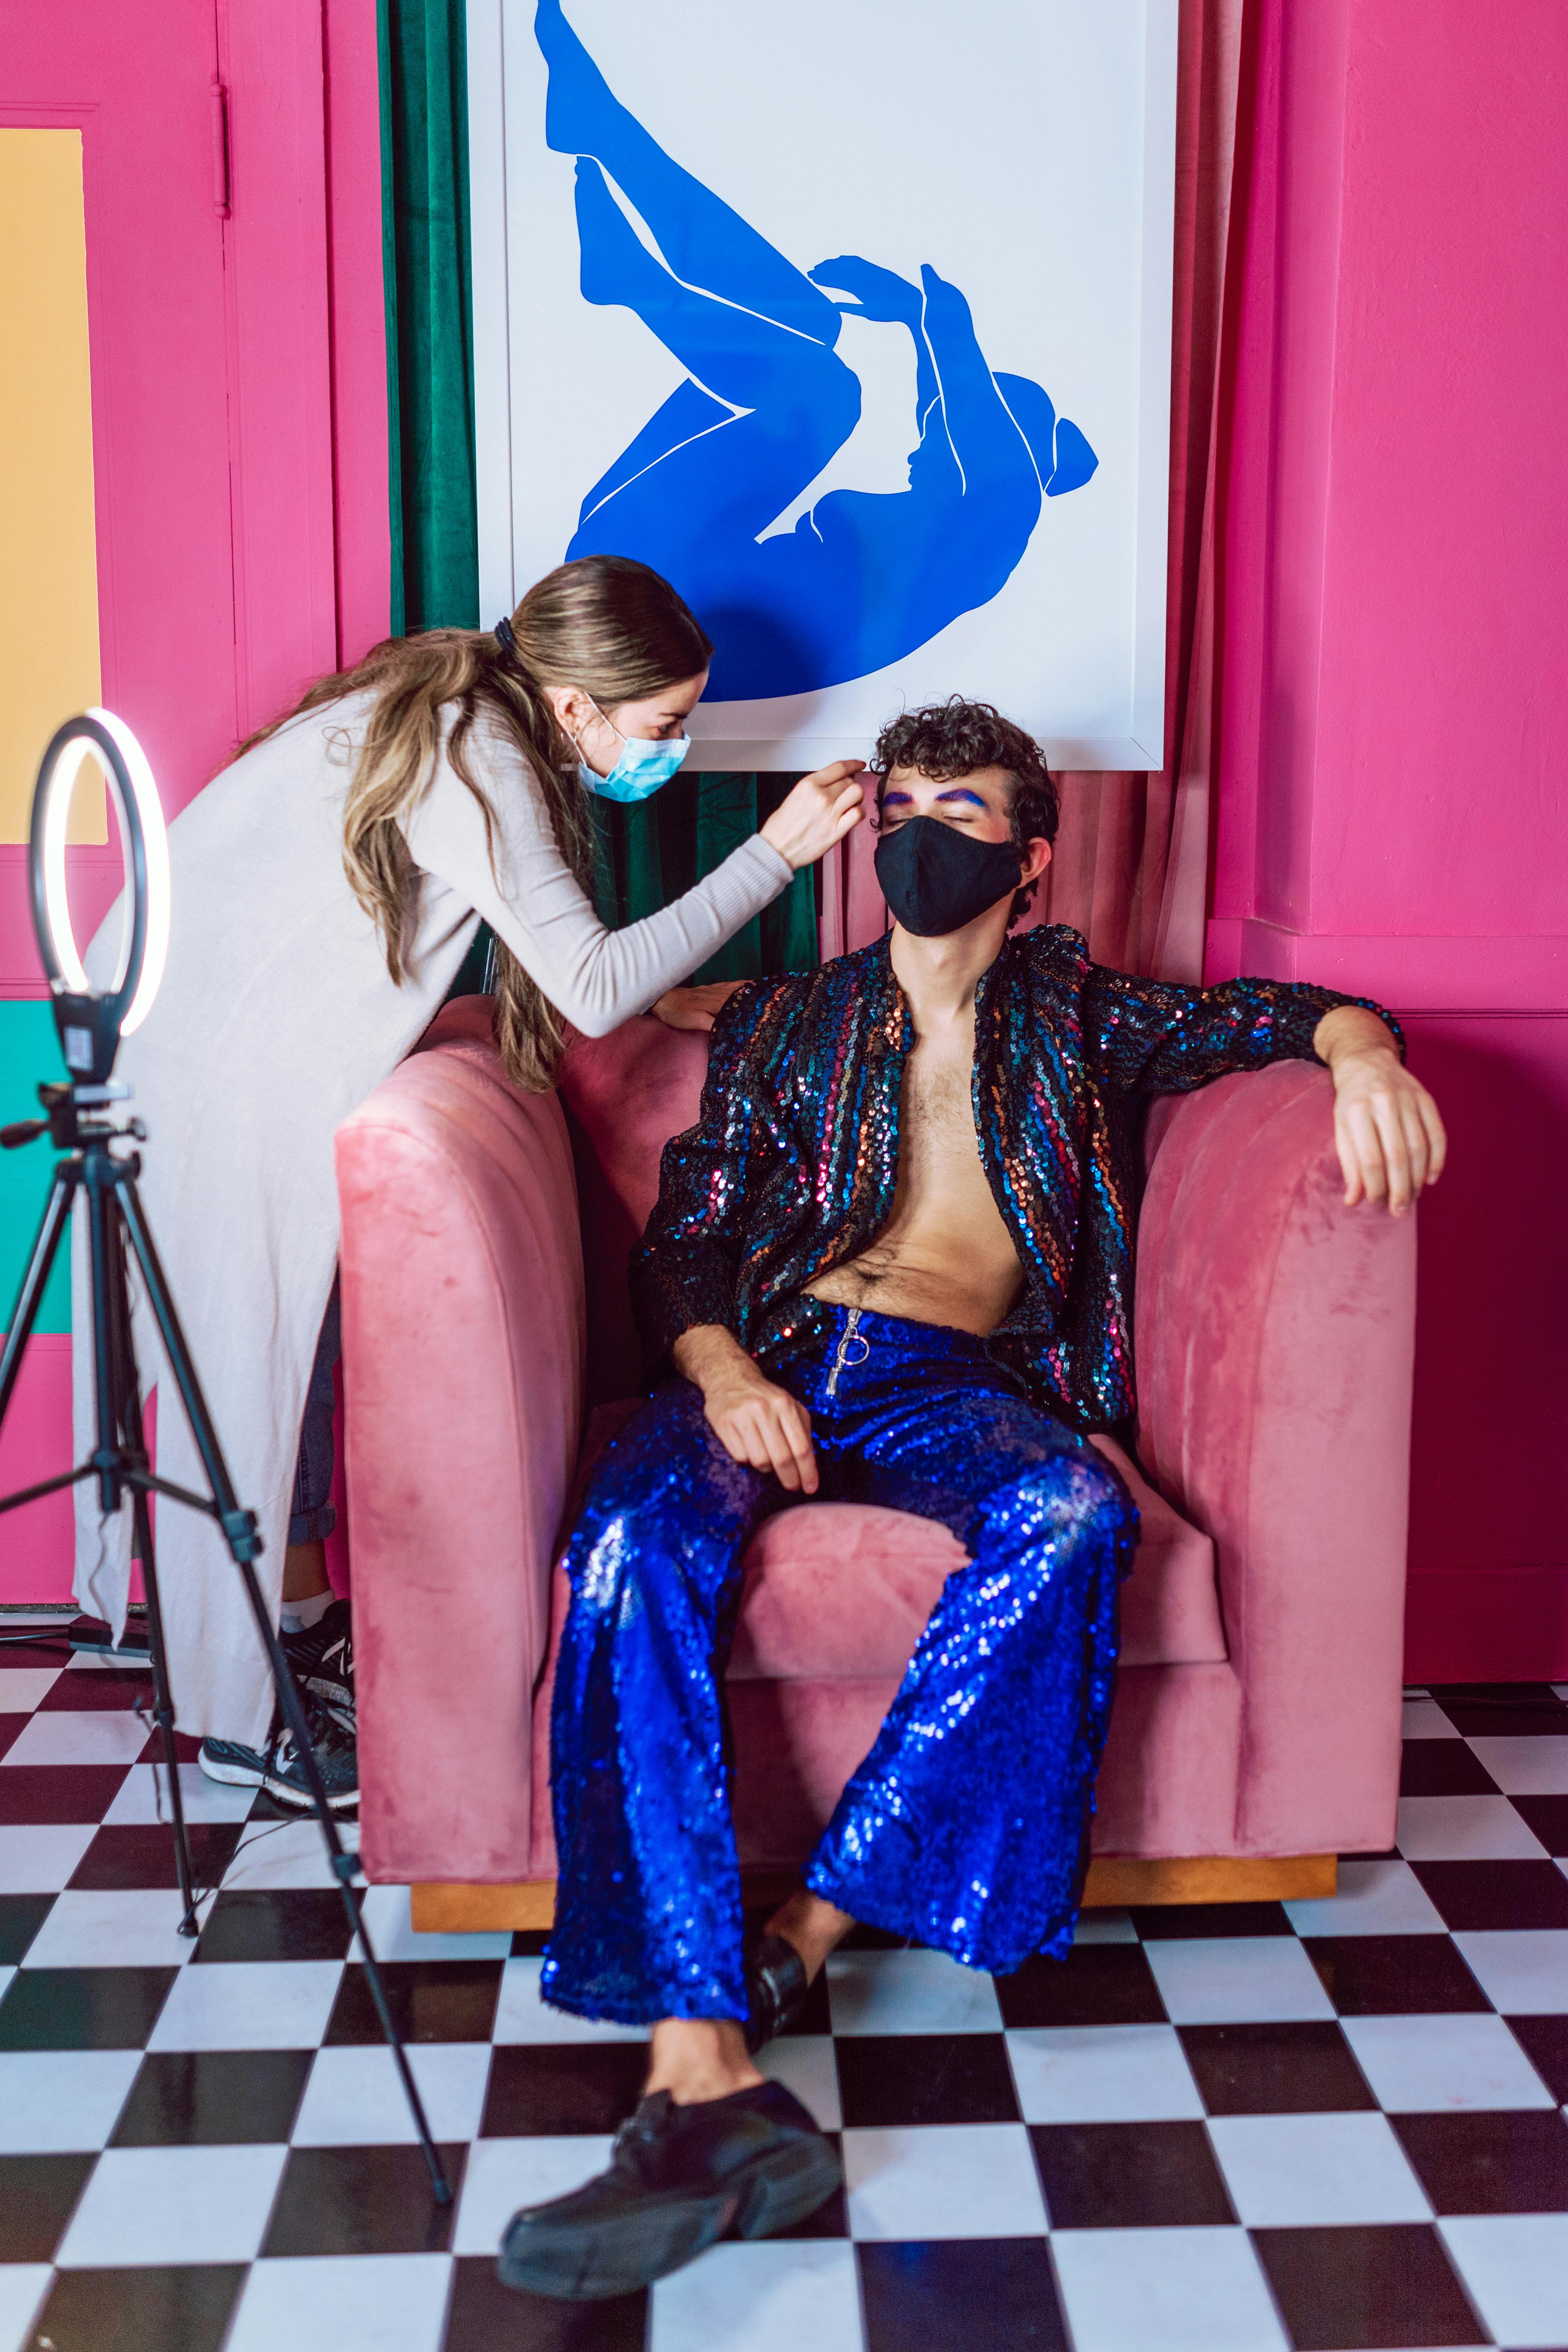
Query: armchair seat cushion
840, 1591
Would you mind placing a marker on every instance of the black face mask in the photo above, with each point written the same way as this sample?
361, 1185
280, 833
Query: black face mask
936, 878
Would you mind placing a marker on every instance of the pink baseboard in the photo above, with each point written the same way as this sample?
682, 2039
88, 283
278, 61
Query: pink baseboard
35, 1541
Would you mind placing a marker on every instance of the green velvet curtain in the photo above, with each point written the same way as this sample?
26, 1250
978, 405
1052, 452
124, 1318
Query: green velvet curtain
647, 853
652, 850
429, 314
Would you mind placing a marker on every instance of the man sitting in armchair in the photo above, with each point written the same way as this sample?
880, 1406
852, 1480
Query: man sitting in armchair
891, 1263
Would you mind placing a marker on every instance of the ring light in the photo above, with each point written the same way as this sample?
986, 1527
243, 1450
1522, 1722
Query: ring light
92, 1022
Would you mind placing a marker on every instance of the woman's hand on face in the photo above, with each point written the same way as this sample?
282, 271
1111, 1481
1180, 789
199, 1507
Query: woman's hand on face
820, 810
694, 1008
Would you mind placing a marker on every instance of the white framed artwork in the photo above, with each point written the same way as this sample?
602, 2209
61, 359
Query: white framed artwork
853, 318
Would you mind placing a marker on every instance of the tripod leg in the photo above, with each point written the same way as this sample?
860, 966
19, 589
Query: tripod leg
126, 1408
164, 1717
239, 1528
108, 1318
343, 1867
51, 1227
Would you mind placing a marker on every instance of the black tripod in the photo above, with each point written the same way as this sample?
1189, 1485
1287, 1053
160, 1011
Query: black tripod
80, 1121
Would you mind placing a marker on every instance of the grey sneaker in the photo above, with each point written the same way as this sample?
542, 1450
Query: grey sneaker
277, 1767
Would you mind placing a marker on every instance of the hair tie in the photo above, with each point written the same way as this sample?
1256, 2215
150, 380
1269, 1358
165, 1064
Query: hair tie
506, 641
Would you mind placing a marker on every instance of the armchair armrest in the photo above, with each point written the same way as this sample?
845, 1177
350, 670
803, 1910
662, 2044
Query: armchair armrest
462, 1297
1275, 1332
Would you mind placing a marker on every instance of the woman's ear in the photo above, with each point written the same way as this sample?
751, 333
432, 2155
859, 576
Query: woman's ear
571, 707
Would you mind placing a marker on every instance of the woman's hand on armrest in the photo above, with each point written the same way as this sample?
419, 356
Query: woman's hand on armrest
694, 1008
1388, 1131
753, 1420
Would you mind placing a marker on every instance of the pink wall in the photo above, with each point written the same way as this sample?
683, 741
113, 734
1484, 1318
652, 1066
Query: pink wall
1389, 814
155, 327
239, 435
238, 370
1393, 731
358, 316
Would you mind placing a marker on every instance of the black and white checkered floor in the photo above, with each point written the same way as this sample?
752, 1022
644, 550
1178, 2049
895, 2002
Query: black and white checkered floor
1320, 2125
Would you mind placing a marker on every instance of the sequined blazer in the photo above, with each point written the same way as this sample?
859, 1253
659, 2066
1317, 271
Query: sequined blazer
792, 1165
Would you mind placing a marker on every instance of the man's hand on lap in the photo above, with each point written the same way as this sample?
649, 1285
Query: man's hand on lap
753, 1419
1388, 1131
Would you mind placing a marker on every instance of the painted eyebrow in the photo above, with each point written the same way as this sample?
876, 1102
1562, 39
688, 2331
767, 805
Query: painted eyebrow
959, 792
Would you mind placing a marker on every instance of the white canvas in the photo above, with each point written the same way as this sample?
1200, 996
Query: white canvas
1022, 151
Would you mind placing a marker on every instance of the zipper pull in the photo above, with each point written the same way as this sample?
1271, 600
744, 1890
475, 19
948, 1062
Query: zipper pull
850, 1331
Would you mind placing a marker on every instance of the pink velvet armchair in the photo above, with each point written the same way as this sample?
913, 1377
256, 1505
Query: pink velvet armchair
486, 1321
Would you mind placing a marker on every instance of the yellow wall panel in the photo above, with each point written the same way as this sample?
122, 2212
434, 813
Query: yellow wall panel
49, 565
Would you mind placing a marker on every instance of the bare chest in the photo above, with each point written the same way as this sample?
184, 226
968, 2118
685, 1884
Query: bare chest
944, 1255
942, 1176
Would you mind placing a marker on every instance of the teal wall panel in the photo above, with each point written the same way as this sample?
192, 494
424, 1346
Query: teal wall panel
29, 1051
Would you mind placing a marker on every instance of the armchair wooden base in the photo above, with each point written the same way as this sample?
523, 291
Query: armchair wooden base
446, 1909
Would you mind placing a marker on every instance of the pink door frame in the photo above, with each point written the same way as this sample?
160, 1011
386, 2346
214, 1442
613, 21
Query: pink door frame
239, 429
1391, 818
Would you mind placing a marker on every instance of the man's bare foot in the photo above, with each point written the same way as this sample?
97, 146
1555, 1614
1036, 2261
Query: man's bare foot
813, 1927
696, 2058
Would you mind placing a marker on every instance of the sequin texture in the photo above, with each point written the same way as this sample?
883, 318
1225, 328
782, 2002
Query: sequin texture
966, 1826
792, 1166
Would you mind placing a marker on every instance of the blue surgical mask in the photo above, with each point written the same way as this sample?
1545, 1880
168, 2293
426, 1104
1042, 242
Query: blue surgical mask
642, 767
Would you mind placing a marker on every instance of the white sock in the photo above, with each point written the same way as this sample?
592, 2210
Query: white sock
298, 1614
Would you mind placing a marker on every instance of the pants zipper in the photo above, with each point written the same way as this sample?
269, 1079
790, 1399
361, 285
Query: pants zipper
851, 1331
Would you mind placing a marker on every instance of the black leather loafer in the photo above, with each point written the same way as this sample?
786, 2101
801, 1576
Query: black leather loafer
678, 2177
776, 1988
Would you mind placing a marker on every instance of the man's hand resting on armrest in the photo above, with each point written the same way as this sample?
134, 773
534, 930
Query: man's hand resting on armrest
754, 1421
1387, 1129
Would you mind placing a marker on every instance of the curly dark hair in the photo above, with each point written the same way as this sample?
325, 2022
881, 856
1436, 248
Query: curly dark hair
953, 739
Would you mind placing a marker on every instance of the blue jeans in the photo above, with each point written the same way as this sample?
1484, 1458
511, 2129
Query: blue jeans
966, 1827
312, 1518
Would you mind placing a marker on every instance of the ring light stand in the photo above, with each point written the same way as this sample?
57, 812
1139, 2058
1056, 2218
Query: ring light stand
79, 1118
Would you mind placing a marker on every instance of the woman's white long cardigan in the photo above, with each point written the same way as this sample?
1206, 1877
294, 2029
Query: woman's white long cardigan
277, 1016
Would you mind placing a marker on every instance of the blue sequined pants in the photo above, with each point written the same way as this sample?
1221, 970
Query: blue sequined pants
966, 1826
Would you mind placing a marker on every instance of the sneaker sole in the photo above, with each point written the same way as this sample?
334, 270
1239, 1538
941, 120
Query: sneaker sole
243, 1776
587, 2261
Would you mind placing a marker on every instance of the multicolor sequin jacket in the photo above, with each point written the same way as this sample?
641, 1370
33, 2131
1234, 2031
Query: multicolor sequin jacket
792, 1165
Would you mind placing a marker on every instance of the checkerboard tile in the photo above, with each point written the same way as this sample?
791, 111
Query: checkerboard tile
1238, 2128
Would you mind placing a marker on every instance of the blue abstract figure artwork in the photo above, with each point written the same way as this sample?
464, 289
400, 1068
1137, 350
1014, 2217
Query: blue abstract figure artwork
864, 578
